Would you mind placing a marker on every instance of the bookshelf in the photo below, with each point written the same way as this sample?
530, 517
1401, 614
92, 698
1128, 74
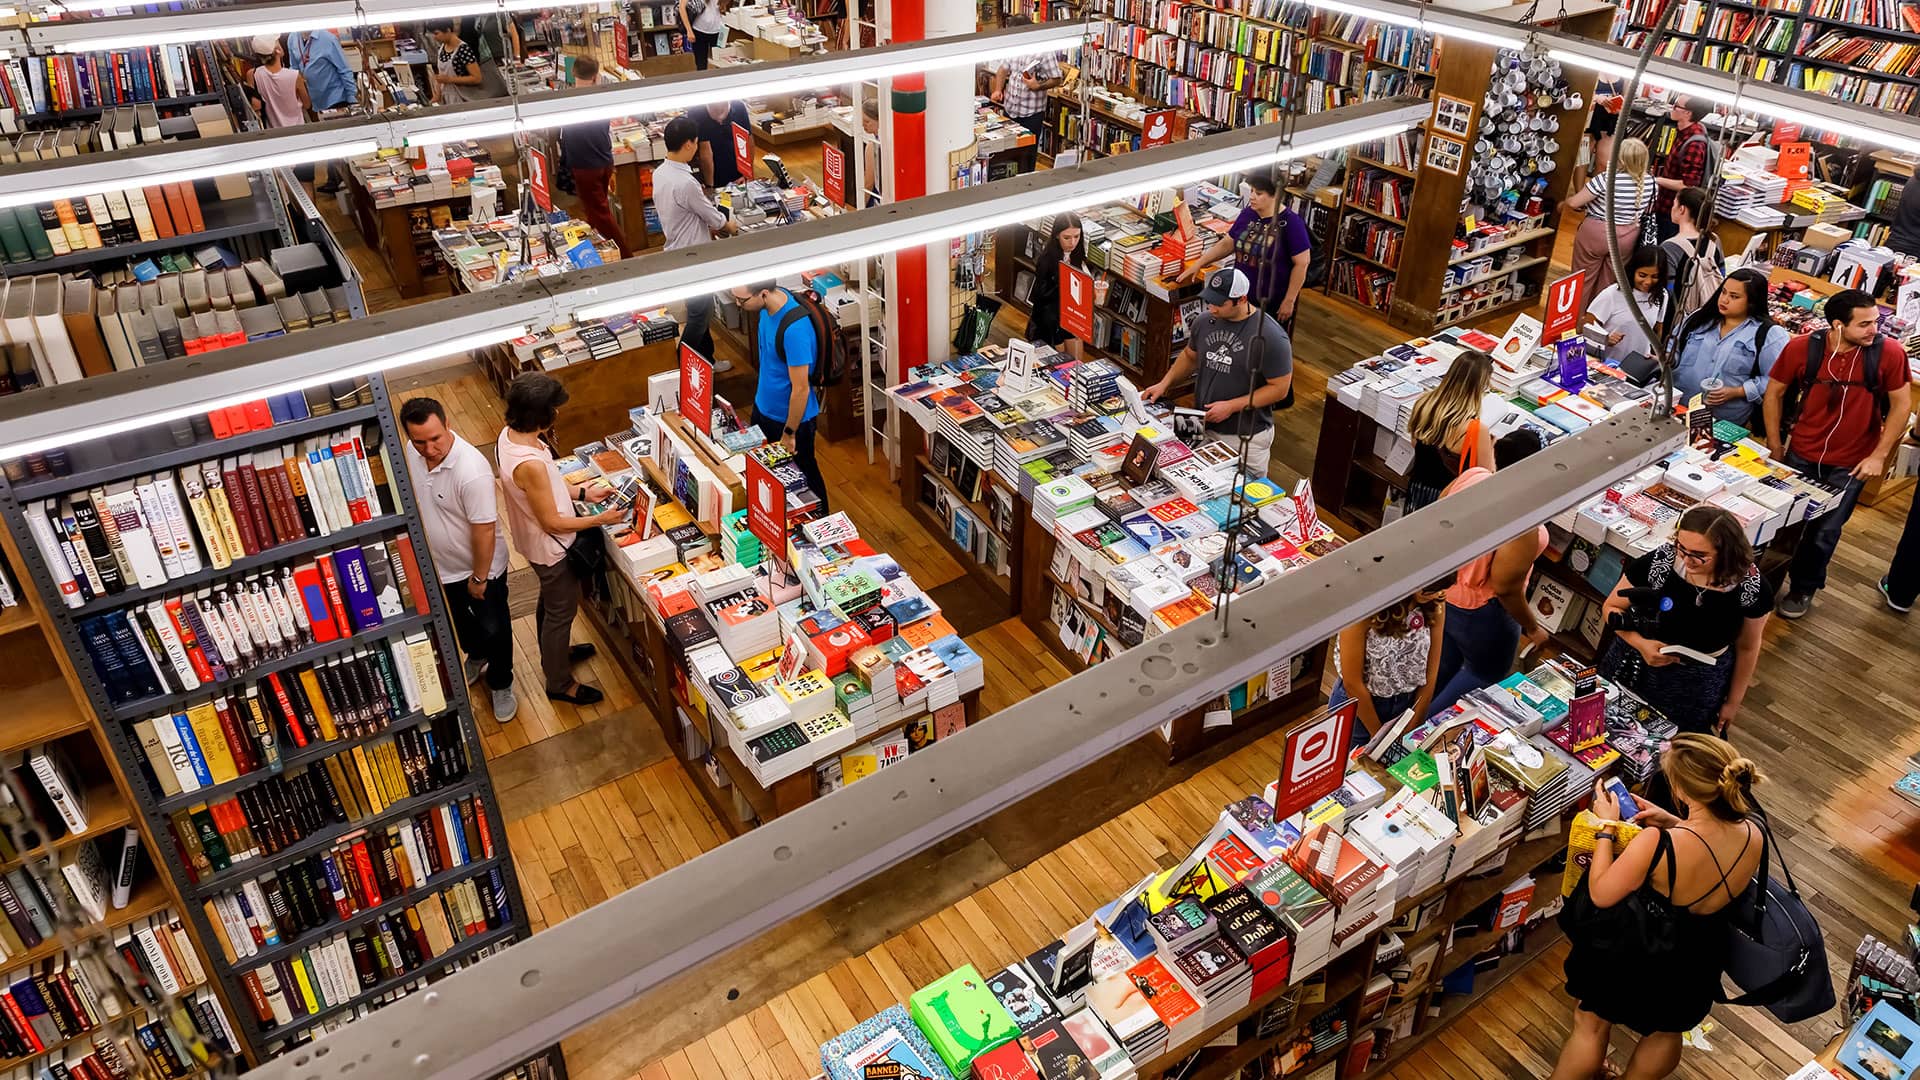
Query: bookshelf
48, 706
411, 744
1863, 51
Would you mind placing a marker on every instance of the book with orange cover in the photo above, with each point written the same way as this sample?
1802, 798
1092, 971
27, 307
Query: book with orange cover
192, 203
157, 207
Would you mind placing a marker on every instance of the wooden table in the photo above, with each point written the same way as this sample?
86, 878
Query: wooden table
388, 230
600, 391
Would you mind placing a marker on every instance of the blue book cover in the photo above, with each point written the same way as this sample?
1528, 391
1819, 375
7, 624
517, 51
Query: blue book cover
296, 405
277, 405
1884, 1045
194, 758
356, 586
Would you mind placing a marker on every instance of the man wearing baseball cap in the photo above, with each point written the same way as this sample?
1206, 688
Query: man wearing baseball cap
1241, 363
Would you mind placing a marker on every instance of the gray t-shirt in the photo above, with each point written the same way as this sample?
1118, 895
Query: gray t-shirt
1226, 352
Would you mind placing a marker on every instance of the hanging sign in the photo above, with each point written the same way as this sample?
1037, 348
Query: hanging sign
696, 389
1156, 129
743, 151
622, 51
1076, 302
540, 179
833, 164
1315, 761
1563, 306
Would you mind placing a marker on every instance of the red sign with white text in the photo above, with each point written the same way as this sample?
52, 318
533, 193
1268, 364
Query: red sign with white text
1076, 302
1315, 760
1156, 129
833, 164
766, 506
622, 51
540, 179
743, 151
1563, 306
696, 389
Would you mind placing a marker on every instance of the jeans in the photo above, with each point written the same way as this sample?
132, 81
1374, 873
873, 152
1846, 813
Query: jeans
1808, 574
559, 602
1903, 573
1476, 650
809, 466
484, 628
696, 335
703, 44
1387, 708
591, 186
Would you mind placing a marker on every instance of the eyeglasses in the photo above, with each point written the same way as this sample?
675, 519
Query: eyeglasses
1697, 558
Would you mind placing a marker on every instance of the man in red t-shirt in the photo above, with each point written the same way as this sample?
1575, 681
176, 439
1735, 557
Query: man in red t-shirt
1841, 436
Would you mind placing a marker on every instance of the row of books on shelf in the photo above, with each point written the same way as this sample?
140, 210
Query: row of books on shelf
1407, 48
81, 997
1334, 64
134, 215
1357, 281
120, 128
1386, 82
1376, 240
145, 531
1886, 14
67, 81
289, 1038
333, 972
1380, 191
45, 894
1230, 33
287, 809
356, 875
1859, 89
353, 696
1865, 52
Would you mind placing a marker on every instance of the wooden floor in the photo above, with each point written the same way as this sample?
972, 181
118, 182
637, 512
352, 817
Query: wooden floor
594, 808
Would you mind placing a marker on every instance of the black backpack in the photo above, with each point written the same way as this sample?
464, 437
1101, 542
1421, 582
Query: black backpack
1808, 378
830, 360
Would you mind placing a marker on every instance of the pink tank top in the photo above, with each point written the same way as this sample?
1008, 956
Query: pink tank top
540, 547
1473, 585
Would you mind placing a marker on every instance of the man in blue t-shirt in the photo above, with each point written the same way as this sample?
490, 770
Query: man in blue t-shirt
317, 56
784, 405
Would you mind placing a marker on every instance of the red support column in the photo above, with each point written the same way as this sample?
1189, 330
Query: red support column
910, 182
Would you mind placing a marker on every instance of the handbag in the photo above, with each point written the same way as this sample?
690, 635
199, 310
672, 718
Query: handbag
1642, 925
1775, 951
587, 558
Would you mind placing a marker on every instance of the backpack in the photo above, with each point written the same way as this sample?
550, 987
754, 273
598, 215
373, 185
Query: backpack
830, 360
1805, 381
1702, 272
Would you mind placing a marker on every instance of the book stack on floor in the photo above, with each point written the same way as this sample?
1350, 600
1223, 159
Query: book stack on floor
1257, 907
252, 609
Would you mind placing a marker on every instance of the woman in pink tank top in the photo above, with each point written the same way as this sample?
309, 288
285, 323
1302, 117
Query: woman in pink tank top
1487, 614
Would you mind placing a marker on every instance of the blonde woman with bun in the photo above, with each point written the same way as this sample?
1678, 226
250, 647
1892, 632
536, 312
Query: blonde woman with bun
1687, 869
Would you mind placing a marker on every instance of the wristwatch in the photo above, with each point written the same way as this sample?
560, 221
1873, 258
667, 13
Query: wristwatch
790, 430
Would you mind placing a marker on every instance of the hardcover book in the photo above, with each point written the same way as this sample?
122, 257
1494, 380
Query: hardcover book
961, 1017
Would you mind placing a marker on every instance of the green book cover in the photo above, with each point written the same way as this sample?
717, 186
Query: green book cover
13, 239
961, 1017
36, 234
1415, 771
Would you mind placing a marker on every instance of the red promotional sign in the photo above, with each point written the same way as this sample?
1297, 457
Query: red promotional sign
696, 389
1315, 761
1156, 129
539, 178
1784, 132
622, 51
766, 506
743, 151
833, 163
1076, 302
1563, 306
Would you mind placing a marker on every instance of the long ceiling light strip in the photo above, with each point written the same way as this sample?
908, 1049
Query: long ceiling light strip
35, 182
75, 412
174, 28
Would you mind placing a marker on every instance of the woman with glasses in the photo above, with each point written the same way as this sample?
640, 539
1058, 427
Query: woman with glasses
1688, 619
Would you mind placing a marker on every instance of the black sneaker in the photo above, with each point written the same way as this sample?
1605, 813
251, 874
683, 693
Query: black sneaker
1796, 605
1888, 597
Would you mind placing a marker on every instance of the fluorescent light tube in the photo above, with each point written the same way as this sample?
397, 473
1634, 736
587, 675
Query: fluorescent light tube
645, 100
124, 424
175, 28
323, 152
1122, 188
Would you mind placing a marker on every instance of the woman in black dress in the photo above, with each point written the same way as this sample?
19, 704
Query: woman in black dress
1660, 976
1701, 592
1064, 246
1448, 437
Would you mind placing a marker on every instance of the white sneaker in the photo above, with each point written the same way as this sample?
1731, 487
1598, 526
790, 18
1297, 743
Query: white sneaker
722, 366
505, 705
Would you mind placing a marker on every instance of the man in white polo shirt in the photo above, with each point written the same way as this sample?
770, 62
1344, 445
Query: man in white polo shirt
689, 218
454, 485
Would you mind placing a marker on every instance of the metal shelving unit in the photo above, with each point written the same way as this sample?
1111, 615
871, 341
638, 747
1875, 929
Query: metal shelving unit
154, 807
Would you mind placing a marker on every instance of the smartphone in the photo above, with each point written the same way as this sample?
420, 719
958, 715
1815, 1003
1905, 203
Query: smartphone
1629, 809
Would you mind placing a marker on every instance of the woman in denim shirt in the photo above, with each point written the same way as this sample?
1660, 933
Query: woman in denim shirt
1732, 339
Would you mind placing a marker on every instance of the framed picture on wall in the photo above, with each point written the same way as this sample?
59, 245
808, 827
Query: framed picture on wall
1452, 116
1445, 154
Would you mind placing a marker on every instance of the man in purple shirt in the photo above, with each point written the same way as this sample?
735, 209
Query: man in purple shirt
1271, 244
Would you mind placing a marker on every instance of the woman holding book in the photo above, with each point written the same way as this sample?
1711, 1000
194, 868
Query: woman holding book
1448, 437
1693, 613
1656, 970
1633, 191
539, 505
1272, 245
1726, 348
1390, 660
1063, 247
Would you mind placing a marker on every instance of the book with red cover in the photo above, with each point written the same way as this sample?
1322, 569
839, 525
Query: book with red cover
285, 706
157, 208
259, 416
237, 743
274, 473
363, 866
241, 506
190, 202
266, 527
236, 414
402, 546
189, 642
1169, 997
336, 596
217, 420
313, 594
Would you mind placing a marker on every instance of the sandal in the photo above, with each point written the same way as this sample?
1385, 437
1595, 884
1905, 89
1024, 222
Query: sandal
582, 695
581, 653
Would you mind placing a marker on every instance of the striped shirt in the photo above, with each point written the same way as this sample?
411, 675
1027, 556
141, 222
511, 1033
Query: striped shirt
1631, 197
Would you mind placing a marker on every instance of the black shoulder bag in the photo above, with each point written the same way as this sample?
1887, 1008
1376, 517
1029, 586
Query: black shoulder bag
1776, 952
